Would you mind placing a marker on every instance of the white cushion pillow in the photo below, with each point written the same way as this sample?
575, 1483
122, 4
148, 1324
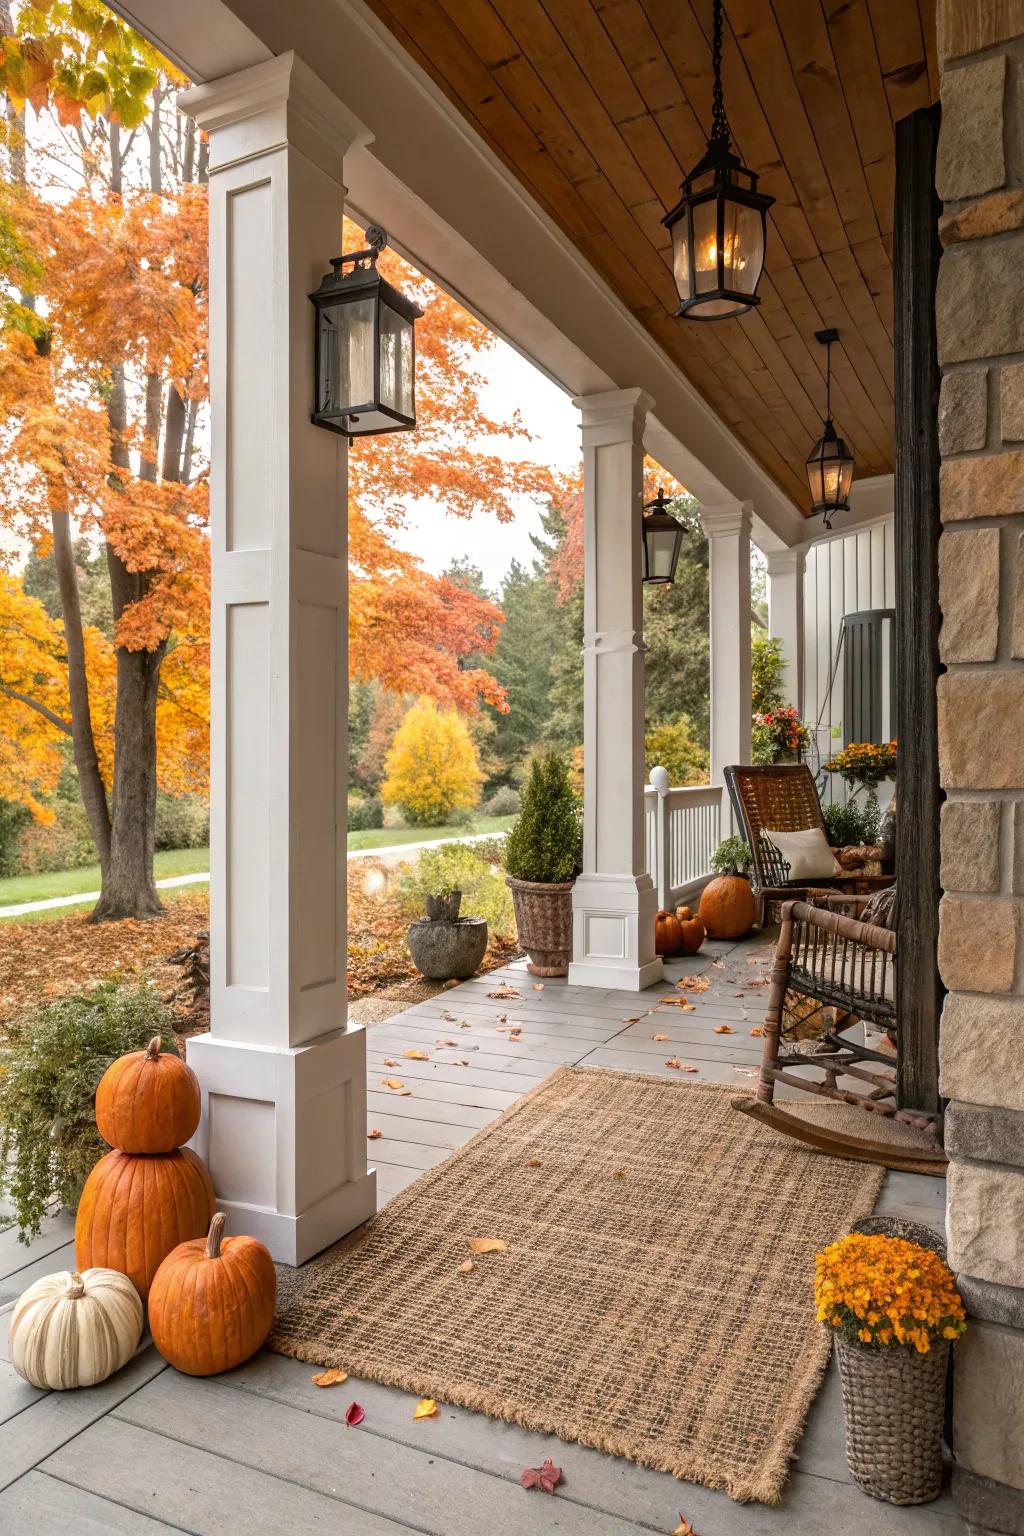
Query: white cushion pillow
807, 853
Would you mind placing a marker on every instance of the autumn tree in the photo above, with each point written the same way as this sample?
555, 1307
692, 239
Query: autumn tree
432, 767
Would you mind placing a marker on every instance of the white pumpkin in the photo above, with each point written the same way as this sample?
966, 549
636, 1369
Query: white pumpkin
74, 1330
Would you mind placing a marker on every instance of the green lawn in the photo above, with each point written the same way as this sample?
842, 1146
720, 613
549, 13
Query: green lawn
390, 837
70, 882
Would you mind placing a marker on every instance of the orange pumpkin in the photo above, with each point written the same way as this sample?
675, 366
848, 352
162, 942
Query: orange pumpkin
134, 1210
727, 907
148, 1101
683, 913
692, 933
667, 933
212, 1302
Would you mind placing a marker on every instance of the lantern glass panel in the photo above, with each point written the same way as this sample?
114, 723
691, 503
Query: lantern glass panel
396, 361
346, 356
661, 548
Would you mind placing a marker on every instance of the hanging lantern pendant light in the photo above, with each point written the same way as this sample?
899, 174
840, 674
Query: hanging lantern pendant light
662, 536
830, 462
718, 226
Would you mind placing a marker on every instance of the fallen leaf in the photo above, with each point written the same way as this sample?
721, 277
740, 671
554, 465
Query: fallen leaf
691, 1069
724, 1029
450, 1018
505, 991
688, 1007
684, 1528
460, 1061
673, 1061
693, 983
464, 1024
480, 1245
414, 1055
619, 1174
538, 986
534, 1162
389, 1061
546, 1477
426, 1408
466, 1267
659, 1037
406, 1093
719, 965
448, 985
635, 1019
758, 981
502, 1018
394, 1083
757, 1030
373, 1135
354, 1414
331, 1378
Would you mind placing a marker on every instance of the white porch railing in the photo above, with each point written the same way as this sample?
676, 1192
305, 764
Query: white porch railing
681, 832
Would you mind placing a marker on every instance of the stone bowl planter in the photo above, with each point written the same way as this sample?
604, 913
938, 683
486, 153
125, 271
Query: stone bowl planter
447, 950
544, 924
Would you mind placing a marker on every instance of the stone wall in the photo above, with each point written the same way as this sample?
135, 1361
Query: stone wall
980, 316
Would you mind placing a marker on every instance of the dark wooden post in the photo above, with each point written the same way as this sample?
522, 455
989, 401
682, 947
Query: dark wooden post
916, 260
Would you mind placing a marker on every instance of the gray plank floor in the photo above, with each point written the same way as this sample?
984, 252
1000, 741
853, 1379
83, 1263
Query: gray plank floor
260, 1450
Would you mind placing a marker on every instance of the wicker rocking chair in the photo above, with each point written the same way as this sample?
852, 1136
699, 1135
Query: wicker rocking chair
828, 956
782, 798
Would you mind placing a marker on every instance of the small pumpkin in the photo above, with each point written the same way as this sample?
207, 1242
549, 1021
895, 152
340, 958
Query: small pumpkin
134, 1210
74, 1330
148, 1101
692, 930
727, 907
667, 933
683, 913
212, 1302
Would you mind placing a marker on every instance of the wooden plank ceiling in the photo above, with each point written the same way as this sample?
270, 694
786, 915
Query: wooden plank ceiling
599, 106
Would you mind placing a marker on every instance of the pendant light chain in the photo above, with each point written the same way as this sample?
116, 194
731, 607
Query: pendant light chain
719, 121
828, 382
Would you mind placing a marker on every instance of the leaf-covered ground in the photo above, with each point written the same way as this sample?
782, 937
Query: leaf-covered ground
41, 960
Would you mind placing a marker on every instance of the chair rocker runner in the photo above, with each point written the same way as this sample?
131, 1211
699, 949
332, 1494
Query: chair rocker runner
832, 958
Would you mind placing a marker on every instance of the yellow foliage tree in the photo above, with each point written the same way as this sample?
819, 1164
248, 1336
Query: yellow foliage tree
432, 768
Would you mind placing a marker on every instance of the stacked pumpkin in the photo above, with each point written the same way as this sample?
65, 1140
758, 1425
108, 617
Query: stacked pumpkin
151, 1192
679, 931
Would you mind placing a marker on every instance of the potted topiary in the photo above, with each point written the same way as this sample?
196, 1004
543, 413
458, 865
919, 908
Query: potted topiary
727, 902
542, 853
443, 945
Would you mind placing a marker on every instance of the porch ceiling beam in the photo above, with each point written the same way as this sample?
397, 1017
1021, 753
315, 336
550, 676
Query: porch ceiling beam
460, 214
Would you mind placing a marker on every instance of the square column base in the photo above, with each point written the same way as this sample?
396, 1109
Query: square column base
283, 1133
613, 933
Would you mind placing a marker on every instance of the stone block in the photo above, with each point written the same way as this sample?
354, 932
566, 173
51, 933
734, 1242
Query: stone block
969, 594
992, 1303
963, 410
979, 302
1017, 615
970, 843
981, 728
968, 28
986, 1134
989, 1505
1017, 876
992, 215
988, 1403
1011, 403
992, 486
971, 159
980, 1050
985, 1227
977, 944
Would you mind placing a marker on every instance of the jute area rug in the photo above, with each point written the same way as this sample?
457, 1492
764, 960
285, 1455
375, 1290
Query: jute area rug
655, 1296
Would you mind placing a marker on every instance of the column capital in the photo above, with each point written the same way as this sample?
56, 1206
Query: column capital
268, 106
733, 517
786, 562
613, 416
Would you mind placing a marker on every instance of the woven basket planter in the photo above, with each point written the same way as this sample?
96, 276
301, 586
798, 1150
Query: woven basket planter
544, 924
894, 1406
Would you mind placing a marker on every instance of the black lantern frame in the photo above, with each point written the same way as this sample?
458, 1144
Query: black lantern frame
719, 195
339, 291
661, 542
830, 464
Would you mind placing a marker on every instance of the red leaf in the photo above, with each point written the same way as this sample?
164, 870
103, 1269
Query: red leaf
546, 1477
354, 1415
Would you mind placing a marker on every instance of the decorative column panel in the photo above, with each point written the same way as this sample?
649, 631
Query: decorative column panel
283, 1077
980, 332
614, 900
786, 616
728, 534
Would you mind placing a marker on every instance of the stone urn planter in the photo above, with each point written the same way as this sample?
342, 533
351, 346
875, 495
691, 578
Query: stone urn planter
443, 945
544, 924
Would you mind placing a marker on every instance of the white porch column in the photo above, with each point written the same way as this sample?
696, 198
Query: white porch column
614, 900
728, 534
786, 616
283, 1077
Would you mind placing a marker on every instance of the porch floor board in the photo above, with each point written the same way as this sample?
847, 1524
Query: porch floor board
260, 1450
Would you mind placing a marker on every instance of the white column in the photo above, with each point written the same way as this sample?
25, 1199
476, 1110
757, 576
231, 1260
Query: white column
786, 616
614, 900
728, 534
283, 1076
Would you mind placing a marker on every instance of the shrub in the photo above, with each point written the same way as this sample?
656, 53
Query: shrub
472, 868
731, 857
64, 843
50, 1066
432, 767
545, 843
365, 813
12, 819
852, 823
673, 746
182, 821
767, 665
504, 802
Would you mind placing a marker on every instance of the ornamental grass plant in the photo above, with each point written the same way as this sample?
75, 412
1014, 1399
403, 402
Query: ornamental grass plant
885, 1292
